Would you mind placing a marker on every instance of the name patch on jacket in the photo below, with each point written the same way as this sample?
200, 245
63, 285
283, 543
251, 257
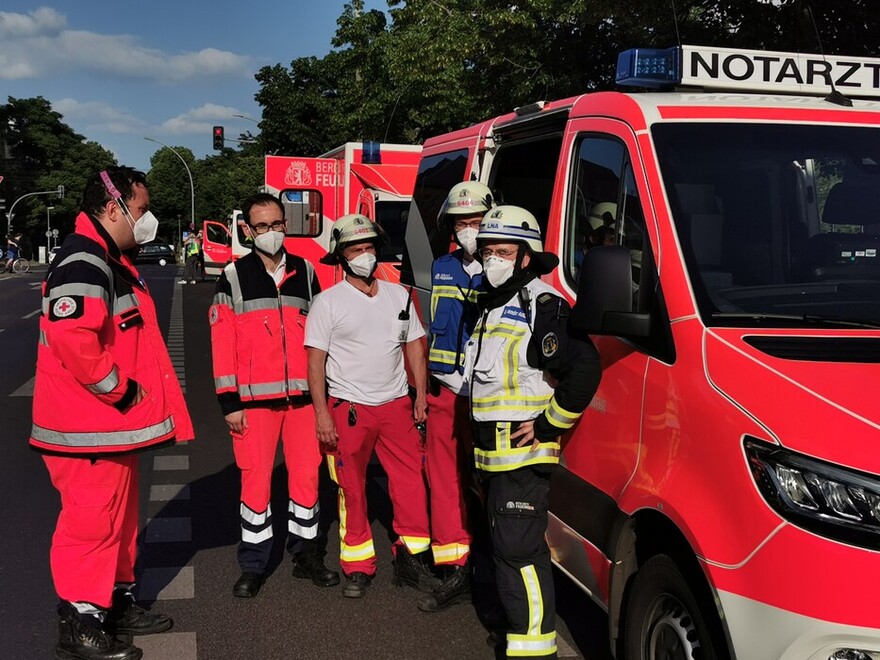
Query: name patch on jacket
66, 307
514, 314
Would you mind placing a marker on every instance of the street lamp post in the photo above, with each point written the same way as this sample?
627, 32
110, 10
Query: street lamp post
248, 118
192, 190
48, 233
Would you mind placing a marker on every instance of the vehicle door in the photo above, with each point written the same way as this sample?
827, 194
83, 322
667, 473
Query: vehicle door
216, 246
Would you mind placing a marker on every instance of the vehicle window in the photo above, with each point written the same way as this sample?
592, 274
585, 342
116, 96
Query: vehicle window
437, 174
303, 211
777, 220
217, 234
523, 173
391, 216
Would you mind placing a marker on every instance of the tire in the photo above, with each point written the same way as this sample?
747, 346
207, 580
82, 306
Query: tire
21, 266
665, 620
162, 261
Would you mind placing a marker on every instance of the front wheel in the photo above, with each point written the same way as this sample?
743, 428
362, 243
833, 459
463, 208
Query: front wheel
21, 266
664, 619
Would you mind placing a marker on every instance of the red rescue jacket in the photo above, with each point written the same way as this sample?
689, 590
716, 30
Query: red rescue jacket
99, 342
257, 332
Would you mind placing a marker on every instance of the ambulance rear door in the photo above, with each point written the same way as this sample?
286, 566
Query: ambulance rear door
216, 246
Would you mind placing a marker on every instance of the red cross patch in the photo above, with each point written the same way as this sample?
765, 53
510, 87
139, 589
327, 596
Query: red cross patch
64, 307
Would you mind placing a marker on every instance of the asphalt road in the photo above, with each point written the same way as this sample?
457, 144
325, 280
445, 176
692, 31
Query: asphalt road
189, 509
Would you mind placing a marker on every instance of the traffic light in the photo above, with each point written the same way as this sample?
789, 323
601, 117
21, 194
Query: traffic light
219, 140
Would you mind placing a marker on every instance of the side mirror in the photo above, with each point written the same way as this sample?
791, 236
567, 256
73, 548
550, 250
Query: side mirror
605, 295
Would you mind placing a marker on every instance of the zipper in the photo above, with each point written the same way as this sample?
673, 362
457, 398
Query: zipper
283, 347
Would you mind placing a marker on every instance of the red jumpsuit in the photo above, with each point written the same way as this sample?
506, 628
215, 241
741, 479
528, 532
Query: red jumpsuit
260, 367
100, 344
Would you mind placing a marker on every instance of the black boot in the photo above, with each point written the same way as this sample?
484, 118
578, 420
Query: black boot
80, 637
456, 588
126, 617
411, 570
309, 564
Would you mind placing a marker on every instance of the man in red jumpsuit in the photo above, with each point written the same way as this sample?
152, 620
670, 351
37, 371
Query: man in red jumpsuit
257, 325
105, 390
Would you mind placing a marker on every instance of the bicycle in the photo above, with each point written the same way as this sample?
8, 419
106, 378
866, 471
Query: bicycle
21, 265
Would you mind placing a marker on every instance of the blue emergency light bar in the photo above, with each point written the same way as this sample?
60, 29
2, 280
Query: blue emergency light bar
649, 67
759, 71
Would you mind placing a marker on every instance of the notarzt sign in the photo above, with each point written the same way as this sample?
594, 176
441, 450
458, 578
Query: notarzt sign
725, 68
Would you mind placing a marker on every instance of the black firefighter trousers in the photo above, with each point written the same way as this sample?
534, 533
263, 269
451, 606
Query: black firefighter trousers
517, 503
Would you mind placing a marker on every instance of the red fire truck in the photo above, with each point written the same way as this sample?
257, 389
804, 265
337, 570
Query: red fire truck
373, 179
720, 498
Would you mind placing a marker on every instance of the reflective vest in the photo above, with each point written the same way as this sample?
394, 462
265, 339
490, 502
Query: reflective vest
452, 320
503, 386
192, 247
99, 344
257, 332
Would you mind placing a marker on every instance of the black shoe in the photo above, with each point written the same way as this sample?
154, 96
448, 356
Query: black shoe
248, 585
80, 637
356, 585
309, 565
410, 570
126, 617
456, 588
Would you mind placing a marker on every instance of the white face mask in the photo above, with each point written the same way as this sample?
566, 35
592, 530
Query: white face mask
363, 265
144, 228
497, 270
270, 242
467, 238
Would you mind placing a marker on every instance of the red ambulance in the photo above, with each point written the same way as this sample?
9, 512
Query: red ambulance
373, 179
721, 496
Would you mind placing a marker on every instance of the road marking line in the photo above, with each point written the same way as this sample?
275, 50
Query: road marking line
168, 530
169, 645
25, 390
171, 463
33, 313
169, 492
167, 584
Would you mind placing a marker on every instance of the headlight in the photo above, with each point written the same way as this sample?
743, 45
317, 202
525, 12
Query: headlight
822, 497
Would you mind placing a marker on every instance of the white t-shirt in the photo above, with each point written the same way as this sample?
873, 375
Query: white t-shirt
361, 335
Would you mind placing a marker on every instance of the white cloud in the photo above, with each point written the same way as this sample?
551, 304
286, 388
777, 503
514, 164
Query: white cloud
199, 120
95, 116
38, 45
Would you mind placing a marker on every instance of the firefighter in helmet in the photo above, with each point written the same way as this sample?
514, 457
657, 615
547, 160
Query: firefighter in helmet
455, 280
522, 343
356, 336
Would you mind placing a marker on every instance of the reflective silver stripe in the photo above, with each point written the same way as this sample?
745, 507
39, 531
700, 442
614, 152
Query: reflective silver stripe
78, 289
278, 387
303, 532
103, 438
224, 382
222, 298
90, 258
256, 537
257, 304
301, 512
107, 384
125, 302
534, 597
497, 404
559, 416
234, 285
251, 517
491, 460
295, 301
43, 339
525, 645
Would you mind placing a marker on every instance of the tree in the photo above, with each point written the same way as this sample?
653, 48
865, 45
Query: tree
41, 153
170, 193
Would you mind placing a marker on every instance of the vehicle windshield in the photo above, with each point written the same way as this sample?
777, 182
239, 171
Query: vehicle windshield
391, 216
779, 224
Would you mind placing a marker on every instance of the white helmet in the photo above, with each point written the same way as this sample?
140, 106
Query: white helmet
514, 224
351, 228
465, 198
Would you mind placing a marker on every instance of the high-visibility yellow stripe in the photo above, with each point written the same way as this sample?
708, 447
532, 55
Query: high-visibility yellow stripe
531, 646
416, 544
357, 552
443, 357
502, 436
516, 457
559, 416
451, 552
534, 599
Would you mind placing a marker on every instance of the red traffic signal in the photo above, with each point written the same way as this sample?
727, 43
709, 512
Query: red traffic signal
219, 140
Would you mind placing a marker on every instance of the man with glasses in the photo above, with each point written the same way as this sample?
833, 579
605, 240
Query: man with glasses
257, 328
455, 278
531, 378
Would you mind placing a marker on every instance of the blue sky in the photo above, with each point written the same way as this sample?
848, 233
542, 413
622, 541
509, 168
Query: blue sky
170, 70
